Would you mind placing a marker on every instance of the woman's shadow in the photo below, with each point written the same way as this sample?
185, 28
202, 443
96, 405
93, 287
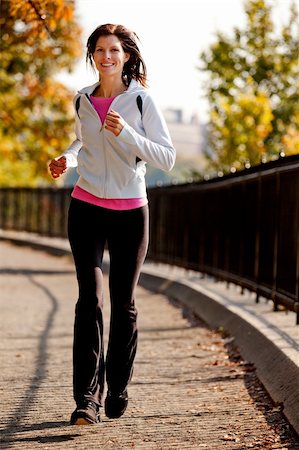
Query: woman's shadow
10, 439
14, 425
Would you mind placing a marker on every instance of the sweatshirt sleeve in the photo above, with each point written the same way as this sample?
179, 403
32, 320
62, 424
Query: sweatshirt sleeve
155, 147
71, 153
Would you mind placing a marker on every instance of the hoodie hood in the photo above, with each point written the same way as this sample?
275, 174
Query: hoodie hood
134, 86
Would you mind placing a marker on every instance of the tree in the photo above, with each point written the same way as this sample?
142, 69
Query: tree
39, 38
253, 90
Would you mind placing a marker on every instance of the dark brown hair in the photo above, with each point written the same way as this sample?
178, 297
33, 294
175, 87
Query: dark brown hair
135, 67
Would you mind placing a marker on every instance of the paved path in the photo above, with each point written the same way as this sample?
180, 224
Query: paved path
190, 388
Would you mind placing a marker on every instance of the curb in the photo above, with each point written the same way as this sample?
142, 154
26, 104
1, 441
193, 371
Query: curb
278, 372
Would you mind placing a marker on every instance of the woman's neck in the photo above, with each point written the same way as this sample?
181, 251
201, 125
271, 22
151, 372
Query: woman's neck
110, 88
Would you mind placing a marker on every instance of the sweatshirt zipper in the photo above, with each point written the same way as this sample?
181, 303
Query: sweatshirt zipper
93, 108
104, 149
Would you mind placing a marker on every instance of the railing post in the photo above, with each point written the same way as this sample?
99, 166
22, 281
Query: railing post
275, 253
258, 238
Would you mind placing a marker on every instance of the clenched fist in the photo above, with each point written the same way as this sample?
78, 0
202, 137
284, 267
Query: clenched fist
58, 166
114, 122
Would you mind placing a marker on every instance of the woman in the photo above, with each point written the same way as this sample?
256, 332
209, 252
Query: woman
119, 129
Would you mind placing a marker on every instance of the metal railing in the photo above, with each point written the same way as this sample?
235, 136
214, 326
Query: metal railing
42, 210
242, 228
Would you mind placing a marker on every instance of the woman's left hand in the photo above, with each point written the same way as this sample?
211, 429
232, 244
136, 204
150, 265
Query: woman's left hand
114, 122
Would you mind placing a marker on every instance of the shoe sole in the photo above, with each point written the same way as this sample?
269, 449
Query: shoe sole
84, 421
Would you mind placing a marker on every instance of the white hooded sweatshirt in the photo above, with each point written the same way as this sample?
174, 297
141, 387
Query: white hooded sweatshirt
112, 166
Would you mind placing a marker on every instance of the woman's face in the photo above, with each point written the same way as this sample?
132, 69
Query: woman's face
109, 56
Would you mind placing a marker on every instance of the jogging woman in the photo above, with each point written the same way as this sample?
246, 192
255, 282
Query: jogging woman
119, 129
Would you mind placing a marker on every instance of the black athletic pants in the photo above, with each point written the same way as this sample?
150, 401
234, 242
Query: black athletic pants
90, 227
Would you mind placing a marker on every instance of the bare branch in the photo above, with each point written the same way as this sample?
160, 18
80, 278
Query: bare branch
41, 17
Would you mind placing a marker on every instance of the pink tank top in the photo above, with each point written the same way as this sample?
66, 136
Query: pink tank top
102, 106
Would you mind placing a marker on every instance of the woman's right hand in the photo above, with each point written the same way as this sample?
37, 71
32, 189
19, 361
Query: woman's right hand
58, 166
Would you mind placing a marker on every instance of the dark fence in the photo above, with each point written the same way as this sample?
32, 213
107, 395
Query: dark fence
42, 211
242, 228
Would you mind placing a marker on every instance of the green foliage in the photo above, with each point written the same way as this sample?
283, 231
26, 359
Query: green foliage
253, 90
38, 38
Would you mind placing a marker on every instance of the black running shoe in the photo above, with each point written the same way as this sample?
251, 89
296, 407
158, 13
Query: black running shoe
86, 414
116, 404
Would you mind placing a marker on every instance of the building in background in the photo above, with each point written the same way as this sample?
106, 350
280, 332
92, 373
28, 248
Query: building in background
188, 136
